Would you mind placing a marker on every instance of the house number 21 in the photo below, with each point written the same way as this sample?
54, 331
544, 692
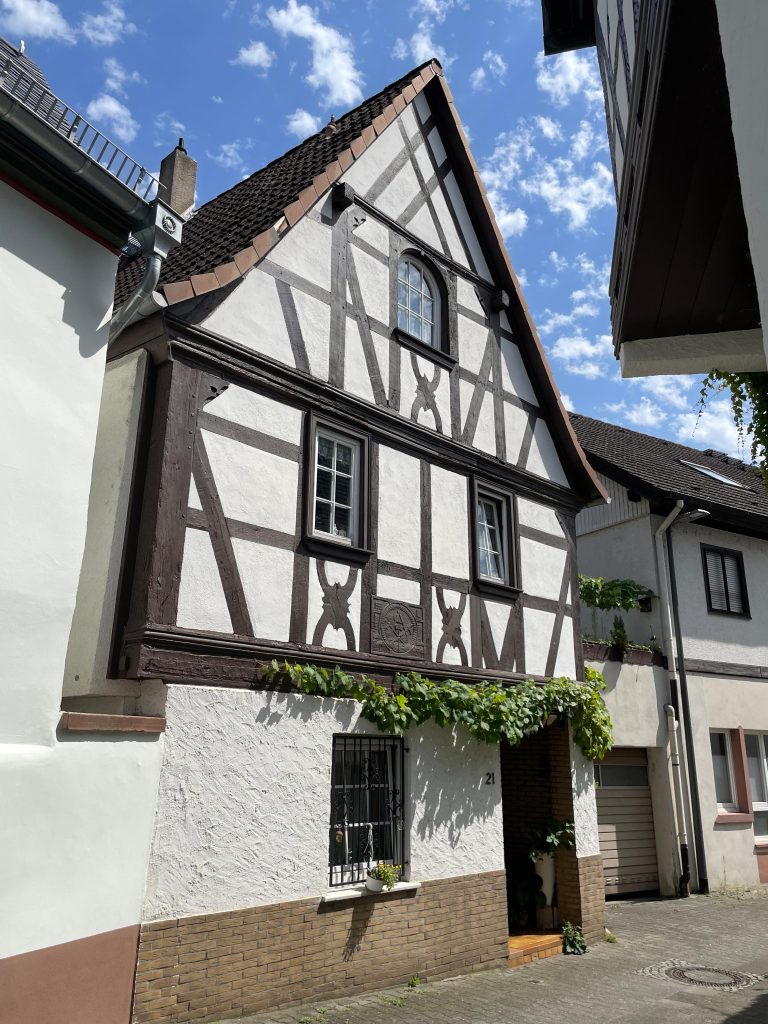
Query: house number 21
490, 778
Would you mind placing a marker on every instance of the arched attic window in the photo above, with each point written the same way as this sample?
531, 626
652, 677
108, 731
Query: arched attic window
419, 301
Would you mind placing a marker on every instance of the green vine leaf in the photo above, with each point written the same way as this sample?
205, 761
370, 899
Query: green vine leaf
490, 711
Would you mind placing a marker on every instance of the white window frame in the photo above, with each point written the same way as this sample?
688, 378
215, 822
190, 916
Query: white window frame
500, 507
729, 808
762, 805
429, 277
355, 445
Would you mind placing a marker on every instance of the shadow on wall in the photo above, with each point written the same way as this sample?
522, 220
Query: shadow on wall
280, 706
447, 781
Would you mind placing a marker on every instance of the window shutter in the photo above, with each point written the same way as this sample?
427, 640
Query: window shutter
717, 592
733, 581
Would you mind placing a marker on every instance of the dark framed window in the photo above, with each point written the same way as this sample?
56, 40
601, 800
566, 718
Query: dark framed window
337, 474
494, 549
724, 581
367, 815
420, 308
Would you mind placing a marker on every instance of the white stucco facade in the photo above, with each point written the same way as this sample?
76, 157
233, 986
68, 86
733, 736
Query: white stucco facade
244, 800
56, 336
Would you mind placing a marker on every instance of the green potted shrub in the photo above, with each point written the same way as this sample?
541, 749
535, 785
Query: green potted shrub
382, 876
543, 843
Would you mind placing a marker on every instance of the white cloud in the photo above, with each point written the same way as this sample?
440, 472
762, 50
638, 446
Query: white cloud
115, 115
560, 263
168, 125
565, 187
566, 190
421, 46
109, 27
493, 67
230, 155
255, 55
34, 19
568, 75
302, 124
216, 99
400, 50
511, 222
549, 128
333, 62
714, 428
556, 321
117, 77
437, 9
567, 403
582, 356
671, 390
645, 414
586, 141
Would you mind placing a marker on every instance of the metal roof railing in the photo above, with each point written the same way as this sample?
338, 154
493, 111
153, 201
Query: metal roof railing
35, 97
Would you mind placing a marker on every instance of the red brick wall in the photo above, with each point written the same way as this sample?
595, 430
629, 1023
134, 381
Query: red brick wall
225, 965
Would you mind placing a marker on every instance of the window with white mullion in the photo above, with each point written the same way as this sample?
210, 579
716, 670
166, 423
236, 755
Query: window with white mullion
722, 764
490, 541
416, 303
336, 483
756, 745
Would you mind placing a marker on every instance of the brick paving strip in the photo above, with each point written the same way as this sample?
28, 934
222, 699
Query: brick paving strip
725, 932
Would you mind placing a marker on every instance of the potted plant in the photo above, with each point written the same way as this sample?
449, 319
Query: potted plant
382, 876
544, 841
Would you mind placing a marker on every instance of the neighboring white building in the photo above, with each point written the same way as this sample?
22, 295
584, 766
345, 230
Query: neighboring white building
346, 448
710, 567
77, 791
688, 133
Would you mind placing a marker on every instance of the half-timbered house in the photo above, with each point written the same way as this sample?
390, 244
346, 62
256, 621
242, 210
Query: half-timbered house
347, 448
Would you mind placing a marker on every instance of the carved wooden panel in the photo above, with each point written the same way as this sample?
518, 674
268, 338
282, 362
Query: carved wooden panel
397, 628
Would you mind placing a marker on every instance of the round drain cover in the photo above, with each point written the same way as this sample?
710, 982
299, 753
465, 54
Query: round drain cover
709, 977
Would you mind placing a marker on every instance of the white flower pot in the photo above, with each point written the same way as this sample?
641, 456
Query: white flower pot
545, 869
374, 884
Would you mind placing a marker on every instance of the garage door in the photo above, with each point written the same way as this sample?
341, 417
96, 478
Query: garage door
625, 821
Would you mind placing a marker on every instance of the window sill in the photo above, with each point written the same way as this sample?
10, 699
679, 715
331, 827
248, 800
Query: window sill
336, 551
78, 721
734, 818
484, 586
436, 355
356, 892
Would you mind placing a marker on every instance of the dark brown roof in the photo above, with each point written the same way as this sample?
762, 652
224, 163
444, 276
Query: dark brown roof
227, 224
655, 468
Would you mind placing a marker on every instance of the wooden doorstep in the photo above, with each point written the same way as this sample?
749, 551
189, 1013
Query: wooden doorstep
526, 947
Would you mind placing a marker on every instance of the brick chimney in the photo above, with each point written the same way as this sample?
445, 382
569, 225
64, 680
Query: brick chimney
178, 173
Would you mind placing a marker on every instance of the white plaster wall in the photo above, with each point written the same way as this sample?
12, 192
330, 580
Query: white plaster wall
75, 831
244, 801
266, 573
395, 589
743, 32
539, 517
399, 538
514, 376
538, 627
258, 412
721, 637
254, 486
450, 542
252, 315
725, 703
541, 568
88, 651
202, 604
543, 459
635, 698
56, 297
584, 804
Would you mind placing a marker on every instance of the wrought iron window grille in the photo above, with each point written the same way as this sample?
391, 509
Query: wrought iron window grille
366, 822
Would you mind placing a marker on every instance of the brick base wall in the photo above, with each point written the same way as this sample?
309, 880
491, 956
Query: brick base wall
225, 965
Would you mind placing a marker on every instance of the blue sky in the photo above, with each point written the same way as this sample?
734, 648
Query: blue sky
243, 81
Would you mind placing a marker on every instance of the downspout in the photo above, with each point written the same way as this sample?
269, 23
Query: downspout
160, 233
698, 833
668, 643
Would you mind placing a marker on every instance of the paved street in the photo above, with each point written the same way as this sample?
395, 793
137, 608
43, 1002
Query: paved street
722, 932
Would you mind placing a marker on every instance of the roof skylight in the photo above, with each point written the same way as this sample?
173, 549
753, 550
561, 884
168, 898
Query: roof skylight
712, 473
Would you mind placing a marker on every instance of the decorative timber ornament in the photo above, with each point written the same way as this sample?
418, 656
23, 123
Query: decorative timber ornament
451, 626
335, 606
425, 393
397, 628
